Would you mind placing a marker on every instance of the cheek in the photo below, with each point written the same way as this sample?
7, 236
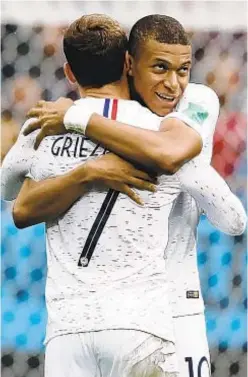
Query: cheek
141, 81
148, 81
183, 82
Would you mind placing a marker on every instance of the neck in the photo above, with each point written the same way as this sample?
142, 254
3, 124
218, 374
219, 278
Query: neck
118, 89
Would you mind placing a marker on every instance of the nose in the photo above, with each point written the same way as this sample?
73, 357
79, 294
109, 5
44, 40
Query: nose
171, 81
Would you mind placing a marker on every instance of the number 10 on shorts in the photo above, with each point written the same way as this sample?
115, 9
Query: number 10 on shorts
203, 367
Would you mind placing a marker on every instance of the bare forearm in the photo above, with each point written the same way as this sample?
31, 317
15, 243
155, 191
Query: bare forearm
160, 151
48, 199
136, 144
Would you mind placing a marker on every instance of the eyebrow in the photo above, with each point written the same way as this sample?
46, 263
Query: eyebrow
187, 62
164, 61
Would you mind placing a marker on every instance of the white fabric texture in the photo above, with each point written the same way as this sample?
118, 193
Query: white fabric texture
199, 109
16, 165
127, 353
77, 120
132, 258
223, 209
192, 345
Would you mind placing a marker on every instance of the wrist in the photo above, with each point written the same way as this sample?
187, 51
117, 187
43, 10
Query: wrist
77, 116
82, 175
93, 171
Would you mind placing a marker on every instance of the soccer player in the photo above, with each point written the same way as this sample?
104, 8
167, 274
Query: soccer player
131, 265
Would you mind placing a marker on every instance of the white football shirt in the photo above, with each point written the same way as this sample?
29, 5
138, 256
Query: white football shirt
199, 108
105, 254
106, 267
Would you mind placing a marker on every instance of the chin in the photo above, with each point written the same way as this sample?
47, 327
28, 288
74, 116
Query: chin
162, 112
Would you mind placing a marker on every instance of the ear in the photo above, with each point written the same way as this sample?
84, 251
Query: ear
129, 64
68, 73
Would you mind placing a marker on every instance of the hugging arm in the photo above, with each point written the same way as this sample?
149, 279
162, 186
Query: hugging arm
36, 201
223, 209
48, 199
45, 200
159, 149
164, 149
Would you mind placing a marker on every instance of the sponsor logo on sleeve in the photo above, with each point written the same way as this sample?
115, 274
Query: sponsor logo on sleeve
192, 294
196, 112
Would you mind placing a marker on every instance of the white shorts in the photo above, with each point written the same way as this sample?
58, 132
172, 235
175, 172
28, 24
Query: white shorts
192, 346
110, 353
128, 353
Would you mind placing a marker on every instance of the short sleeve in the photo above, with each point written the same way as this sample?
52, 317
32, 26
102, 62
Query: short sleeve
16, 165
199, 108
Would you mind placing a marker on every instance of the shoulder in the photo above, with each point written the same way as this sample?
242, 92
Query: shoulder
193, 88
200, 104
22, 149
143, 111
201, 95
29, 140
133, 113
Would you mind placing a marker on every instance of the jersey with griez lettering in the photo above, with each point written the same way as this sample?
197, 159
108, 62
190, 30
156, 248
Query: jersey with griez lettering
105, 255
106, 265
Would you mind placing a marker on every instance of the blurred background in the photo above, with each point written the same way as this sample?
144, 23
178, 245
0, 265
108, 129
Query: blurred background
32, 61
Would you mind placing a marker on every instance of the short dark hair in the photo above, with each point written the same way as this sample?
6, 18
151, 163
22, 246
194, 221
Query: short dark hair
161, 28
95, 46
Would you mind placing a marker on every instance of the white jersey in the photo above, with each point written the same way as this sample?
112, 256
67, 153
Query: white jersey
107, 257
199, 105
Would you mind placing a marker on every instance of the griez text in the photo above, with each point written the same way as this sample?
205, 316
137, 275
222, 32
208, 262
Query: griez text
67, 146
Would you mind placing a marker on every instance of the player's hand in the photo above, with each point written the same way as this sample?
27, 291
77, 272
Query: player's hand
50, 117
121, 176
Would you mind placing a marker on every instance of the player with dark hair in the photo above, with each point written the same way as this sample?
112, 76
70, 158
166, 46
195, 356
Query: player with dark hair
157, 27
107, 290
146, 38
83, 43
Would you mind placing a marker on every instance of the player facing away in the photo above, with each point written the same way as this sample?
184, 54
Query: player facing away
124, 261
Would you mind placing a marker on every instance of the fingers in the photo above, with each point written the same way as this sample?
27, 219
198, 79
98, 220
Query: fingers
37, 112
142, 185
132, 195
45, 104
36, 124
41, 135
38, 109
125, 189
32, 127
141, 174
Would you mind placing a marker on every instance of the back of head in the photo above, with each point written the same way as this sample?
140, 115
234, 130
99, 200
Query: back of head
161, 28
95, 47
